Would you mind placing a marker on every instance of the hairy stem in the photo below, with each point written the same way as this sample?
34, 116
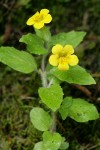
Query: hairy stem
46, 85
53, 126
43, 78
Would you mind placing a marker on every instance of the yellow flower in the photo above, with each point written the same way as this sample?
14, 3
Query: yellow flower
63, 57
39, 19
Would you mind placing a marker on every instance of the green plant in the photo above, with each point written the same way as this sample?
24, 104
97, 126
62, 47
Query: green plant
65, 69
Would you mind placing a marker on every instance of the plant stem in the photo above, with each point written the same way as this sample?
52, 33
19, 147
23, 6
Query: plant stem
43, 78
47, 85
53, 126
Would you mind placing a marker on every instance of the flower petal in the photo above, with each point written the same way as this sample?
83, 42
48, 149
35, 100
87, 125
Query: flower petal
47, 19
38, 25
44, 11
57, 49
72, 60
31, 20
63, 66
53, 60
36, 14
68, 49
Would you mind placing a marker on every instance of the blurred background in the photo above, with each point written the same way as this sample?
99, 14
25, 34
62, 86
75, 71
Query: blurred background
18, 92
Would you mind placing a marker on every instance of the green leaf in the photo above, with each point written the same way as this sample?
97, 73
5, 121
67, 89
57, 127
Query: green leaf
64, 144
64, 109
82, 111
44, 33
38, 146
53, 79
35, 45
73, 38
40, 119
18, 60
51, 96
51, 141
75, 74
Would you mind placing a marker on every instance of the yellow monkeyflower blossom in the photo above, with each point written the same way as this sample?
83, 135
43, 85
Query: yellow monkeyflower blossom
39, 19
63, 57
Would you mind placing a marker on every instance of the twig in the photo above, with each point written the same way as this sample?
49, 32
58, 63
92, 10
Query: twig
96, 75
83, 89
60, 125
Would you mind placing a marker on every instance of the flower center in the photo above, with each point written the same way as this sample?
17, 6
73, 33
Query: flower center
62, 54
62, 60
38, 18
